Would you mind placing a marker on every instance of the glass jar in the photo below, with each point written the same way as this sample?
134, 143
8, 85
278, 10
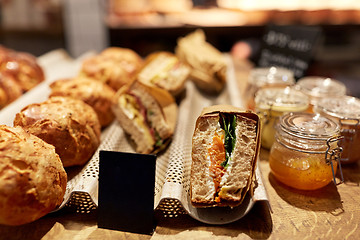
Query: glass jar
266, 77
320, 87
346, 111
271, 103
305, 154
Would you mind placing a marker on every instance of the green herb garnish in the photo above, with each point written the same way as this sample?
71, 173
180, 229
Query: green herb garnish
229, 125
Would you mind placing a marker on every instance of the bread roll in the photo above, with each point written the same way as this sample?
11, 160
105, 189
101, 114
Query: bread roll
114, 66
10, 90
224, 150
22, 66
69, 124
97, 94
32, 178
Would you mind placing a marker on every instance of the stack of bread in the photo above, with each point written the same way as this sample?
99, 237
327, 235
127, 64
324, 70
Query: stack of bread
19, 72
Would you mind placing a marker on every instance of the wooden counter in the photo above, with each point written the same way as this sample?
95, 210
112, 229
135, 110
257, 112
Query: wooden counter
330, 213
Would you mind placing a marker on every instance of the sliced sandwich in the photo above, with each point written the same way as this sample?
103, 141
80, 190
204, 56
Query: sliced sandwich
147, 115
224, 151
208, 66
166, 71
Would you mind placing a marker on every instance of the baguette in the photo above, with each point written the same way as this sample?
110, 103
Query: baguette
224, 149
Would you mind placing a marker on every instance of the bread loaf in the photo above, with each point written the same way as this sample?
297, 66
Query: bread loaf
32, 178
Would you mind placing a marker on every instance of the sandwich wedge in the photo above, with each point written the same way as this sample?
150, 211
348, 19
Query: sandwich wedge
147, 114
225, 146
164, 70
208, 66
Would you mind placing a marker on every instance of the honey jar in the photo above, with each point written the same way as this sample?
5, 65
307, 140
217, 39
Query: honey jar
271, 103
346, 111
305, 154
317, 88
266, 77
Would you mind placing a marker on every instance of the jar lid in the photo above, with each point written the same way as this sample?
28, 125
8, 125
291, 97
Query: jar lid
320, 86
309, 126
271, 75
344, 107
281, 99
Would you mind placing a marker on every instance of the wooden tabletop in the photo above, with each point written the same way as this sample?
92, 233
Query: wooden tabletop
332, 212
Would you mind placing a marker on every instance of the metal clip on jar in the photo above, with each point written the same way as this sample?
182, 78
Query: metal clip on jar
345, 110
320, 87
271, 103
305, 154
267, 77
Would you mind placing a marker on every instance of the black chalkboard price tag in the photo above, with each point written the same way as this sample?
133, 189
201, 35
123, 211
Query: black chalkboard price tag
289, 46
126, 192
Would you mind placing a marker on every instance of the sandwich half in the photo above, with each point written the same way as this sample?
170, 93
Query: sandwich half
224, 151
147, 115
166, 71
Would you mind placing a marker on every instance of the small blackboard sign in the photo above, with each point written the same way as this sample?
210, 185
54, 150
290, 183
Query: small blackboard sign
126, 192
289, 46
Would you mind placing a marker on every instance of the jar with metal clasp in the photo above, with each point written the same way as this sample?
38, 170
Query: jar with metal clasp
316, 88
345, 110
263, 77
306, 154
271, 103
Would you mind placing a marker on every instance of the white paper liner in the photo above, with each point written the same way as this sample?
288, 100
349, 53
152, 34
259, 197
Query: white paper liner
172, 166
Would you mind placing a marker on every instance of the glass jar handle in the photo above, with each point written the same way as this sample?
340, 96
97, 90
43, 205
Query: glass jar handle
334, 155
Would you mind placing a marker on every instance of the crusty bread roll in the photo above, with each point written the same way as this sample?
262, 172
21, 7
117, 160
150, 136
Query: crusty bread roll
22, 66
147, 114
32, 178
69, 124
95, 93
114, 66
224, 150
164, 70
208, 67
10, 90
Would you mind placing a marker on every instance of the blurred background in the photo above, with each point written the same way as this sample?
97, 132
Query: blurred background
78, 26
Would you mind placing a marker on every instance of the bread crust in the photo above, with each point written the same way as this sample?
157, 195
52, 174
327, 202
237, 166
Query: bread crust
32, 178
95, 93
69, 124
238, 177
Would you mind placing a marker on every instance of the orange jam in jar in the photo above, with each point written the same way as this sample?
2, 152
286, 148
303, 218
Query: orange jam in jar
263, 77
346, 111
304, 153
320, 87
273, 102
